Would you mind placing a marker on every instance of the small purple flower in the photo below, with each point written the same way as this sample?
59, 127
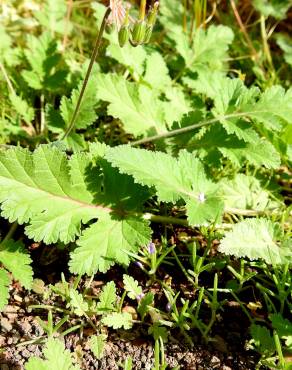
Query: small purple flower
151, 248
140, 296
138, 264
201, 198
168, 307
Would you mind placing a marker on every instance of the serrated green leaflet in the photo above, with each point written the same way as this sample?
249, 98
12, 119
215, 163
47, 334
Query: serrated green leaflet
138, 108
117, 320
56, 357
105, 243
131, 286
16, 260
173, 179
55, 196
256, 239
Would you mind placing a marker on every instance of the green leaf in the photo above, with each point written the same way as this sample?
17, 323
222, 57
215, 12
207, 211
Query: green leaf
8, 53
37, 188
52, 16
283, 327
209, 47
44, 61
262, 153
285, 44
144, 304
176, 105
274, 8
117, 320
139, 109
246, 192
77, 302
131, 286
215, 139
234, 103
255, 239
273, 107
56, 195
4, 291
157, 74
113, 238
15, 259
174, 179
262, 339
56, 357
22, 108
158, 332
97, 344
132, 58
86, 114
107, 298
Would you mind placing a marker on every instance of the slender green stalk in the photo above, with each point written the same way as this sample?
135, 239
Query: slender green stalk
10, 232
185, 16
5, 74
43, 117
184, 130
86, 79
279, 349
266, 47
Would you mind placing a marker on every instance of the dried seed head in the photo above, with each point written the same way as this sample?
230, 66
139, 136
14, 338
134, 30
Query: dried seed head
118, 13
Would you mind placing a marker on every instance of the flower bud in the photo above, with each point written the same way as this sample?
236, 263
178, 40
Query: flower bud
138, 264
151, 248
138, 33
123, 35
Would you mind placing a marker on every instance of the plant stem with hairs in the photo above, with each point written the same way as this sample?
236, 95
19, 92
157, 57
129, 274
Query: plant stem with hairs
86, 79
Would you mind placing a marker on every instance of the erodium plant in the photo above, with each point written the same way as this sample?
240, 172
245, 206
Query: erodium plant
204, 125
138, 34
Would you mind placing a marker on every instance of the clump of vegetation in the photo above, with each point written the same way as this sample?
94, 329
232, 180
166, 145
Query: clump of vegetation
168, 151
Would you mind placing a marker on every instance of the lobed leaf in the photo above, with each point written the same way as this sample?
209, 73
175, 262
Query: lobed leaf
138, 109
256, 239
15, 259
56, 357
131, 286
172, 178
117, 320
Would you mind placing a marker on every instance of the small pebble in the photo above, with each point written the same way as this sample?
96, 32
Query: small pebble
5, 324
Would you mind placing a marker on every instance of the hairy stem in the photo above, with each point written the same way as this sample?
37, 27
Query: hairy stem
86, 79
184, 130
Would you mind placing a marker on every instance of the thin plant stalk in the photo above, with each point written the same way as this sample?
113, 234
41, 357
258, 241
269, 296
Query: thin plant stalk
184, 130
67, 20
243, 30
86, 79
266, 47
185, 16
